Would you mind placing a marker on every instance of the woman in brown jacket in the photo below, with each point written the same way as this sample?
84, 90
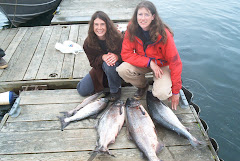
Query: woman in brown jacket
102, 47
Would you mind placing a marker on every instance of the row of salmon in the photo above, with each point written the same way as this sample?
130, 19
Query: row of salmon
140, 126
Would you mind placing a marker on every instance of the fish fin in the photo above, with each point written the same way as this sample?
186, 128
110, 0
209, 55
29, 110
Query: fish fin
65, 114
93, 116
180, 118
143, 155
93, 155
159, 147
120, 110
142, 109
63, 123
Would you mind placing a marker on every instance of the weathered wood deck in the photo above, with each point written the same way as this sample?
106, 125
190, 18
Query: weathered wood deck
35, 134
80, 11
32, 57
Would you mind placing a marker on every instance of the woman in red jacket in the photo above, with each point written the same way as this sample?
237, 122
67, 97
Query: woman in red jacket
148, 46
102, 47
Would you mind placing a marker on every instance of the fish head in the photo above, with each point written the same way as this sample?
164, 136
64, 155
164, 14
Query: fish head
150, 96
104, 100
131, 102
119, 103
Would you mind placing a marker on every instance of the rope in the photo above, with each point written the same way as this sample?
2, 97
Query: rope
15, 9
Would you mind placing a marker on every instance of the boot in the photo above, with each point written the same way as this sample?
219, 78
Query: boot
115, 96
3, 63
140, 92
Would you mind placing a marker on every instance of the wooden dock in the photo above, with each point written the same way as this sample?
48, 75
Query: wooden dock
33, 59
35, 134
81, 11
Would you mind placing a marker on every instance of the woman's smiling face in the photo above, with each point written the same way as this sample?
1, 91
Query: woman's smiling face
99, 28
144, 18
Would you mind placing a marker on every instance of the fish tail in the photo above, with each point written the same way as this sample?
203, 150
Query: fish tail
196, 143
105, 151
99, 150
63, 123
66, 114
159, 147
93, 155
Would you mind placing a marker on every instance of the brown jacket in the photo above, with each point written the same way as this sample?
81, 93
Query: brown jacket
95, 59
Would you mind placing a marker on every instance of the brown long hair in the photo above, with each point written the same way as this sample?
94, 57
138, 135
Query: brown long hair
112, 34
157, 26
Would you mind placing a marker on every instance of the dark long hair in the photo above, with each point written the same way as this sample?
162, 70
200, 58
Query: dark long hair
157, 26
112, 34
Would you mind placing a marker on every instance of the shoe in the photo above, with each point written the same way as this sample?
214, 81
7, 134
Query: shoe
3, 63
140, 92
115, 96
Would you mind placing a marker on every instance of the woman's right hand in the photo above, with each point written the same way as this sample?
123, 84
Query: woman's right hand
156, 69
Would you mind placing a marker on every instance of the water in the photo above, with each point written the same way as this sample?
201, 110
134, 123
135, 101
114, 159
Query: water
207, 35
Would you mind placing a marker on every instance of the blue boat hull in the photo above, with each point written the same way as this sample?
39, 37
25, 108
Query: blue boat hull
21, 11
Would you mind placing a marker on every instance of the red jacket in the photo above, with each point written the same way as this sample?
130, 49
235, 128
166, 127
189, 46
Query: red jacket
164, 54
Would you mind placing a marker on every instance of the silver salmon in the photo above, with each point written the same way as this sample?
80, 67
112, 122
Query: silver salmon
142, 130
82, 104
163, 115
108, 127
90, 109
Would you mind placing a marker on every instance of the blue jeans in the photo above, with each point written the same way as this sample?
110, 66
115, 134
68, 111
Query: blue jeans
85, 87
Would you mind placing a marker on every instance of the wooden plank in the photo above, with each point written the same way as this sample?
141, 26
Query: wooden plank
50, 97
18, 71
81, 64
39, 54
26, 126
75, 11
52, 84
9, 37
121, 155
68, 63
12, 48
55, 141
187, 153
179, 153
15, 43
58, 56
3, 35
52, 56
41, 112
16, 47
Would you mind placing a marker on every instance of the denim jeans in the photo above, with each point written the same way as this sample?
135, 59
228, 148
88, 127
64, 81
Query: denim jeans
85, 87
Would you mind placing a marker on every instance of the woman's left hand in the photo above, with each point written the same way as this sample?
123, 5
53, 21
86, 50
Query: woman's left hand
111, 59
